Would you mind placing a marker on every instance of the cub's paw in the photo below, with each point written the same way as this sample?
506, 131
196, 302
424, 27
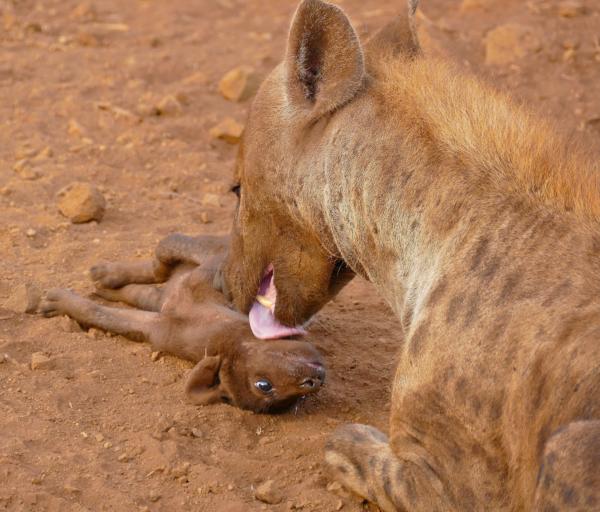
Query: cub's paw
108, 275
58, 301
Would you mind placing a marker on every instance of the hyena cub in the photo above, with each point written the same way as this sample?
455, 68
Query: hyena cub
189, 318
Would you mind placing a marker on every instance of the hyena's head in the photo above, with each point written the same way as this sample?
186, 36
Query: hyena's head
274, 253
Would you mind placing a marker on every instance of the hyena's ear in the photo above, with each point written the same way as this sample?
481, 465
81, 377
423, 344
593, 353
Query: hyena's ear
203, 386
398, 37
324, 60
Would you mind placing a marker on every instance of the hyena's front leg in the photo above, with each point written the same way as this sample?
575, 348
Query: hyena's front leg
360, 458
133, 324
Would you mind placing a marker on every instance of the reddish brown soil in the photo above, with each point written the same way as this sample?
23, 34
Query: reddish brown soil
106, 428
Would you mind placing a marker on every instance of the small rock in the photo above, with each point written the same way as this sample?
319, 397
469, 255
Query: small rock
228, 130
155, 356
196, 432
75, 129
197, 78
34, 27
40, 361
571, 9
86, 39
239, 84
69, 325
334, 487
211, 200
267, 493
85, 11
339, 505
154, 496
5, 191
44, 154
107, 445
169, 105
204, 218
81, 202
24, 298
2, 358
94, 333
23, 169
99, 437
181, 470
473, 5
508, 43
31, 232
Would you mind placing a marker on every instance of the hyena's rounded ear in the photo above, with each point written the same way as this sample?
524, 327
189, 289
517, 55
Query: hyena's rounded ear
203, 385
324, 61
398, 37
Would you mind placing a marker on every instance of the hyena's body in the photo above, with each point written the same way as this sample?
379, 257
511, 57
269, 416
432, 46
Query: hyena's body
481, 231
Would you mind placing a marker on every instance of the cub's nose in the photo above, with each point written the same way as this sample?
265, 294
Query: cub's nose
316, 377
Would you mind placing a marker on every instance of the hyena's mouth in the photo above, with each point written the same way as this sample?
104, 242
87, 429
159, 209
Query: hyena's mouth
263, 323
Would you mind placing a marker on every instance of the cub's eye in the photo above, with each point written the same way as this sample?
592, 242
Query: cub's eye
263, 385
236, 189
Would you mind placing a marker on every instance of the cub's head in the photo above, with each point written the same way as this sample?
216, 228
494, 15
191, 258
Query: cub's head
280, 249
262, 376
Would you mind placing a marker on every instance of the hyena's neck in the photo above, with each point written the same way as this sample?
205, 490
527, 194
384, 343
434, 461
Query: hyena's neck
409, 169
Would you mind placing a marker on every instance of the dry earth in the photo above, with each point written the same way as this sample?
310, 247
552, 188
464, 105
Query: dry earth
99, 425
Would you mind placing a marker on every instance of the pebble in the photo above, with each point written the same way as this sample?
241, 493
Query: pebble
24, 298
40, 361
81, 202
571, 9
154, 496
211, 200
267, 493
508, 43
169, 105
75, 129
204, 218
155, 356
239, 84
69, 325
23, 169
228, 130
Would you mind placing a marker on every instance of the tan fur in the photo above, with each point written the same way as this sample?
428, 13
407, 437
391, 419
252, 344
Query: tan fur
478, 224
189, 319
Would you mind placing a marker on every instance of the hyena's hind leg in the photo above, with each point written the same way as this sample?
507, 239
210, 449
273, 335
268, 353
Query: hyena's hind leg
569, 476
360, 458
141, 296
131, 323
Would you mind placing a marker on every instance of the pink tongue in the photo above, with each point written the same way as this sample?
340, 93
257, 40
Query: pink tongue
263, 323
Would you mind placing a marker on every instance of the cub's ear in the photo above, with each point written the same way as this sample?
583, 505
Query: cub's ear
398, 37
324, 62
203, 386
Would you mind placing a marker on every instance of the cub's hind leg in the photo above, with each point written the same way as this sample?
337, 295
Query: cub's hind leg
117, 274
133, 324
360, 458
141, 296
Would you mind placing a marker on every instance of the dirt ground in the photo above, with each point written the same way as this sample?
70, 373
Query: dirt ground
103, 427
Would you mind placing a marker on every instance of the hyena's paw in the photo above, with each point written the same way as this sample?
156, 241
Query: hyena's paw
109, 275
58, 301
353, 455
